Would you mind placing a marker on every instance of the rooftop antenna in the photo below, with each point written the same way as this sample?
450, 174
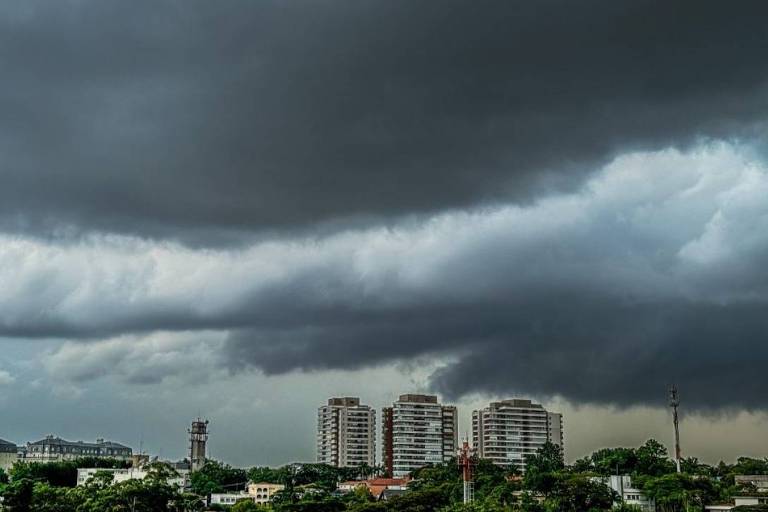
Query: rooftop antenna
674, 403
465, 462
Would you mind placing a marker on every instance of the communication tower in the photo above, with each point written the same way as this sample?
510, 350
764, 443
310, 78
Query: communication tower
465, 462
674, 402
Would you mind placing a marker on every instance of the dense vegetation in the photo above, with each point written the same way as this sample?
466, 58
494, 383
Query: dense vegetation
548, 485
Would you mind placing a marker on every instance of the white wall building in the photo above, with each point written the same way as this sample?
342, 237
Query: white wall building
622, 485
260, 493
346, 433
229, 498
9, 454
505, 432
416, 431
121, 475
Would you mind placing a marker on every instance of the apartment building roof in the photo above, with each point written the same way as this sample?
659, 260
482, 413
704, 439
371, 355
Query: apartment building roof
57, 441
7, 446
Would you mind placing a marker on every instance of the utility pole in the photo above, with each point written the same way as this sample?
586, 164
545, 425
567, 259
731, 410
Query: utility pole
674, 402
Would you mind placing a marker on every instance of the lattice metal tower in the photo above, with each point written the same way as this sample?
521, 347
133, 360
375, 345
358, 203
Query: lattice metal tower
465, 461
674, 402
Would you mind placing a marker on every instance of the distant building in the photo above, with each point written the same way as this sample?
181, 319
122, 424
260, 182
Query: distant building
228, 498
53, 449
759, 482
630, 495
376, 486
757, 497
416, 431
9, 454
263, 492
122, 475
260, 493
739, 501
506, 432
346, 433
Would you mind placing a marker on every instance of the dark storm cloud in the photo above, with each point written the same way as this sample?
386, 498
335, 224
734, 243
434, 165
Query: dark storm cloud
589, 350
209, 121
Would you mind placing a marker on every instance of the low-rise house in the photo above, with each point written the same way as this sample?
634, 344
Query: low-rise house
376, 486
388, 494
759, 482
263, 492
629, 495
229, 498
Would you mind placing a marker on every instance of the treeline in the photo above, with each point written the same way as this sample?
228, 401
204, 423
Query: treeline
548, 485
51, 487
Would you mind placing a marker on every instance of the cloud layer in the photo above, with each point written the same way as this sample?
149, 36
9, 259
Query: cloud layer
652, 272
212, 123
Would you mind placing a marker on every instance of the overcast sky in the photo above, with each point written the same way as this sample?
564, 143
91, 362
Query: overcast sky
238, 209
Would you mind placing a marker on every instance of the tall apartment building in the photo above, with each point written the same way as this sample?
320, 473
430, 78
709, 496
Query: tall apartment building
417, 431
346, 433
505, 432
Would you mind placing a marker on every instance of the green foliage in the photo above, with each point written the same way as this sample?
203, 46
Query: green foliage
429, 500
547, 486
652, 459
677, 492
542, 469
750, 466
216, 477
265, 474
245, 506
578, 494
61, 474
612, 461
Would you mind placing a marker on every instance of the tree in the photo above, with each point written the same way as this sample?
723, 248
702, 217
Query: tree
547, 459
579, 493
678, 492
215, 476
542, 469
264, 474
750, 466
612, 461
245, 506
653, 460
47, 498
17, 496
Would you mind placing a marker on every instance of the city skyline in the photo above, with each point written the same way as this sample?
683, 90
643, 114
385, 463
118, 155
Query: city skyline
602, 429
235, 210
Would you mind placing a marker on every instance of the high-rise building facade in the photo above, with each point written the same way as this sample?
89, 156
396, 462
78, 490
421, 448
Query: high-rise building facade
505, 432
416, 431
346, 433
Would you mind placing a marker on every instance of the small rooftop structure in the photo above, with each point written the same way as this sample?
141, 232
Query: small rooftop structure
376, 486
